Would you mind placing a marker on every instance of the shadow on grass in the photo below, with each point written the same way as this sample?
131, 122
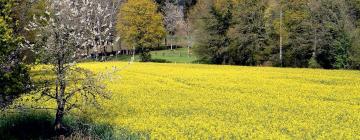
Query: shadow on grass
160, 61
29, 125
39, 125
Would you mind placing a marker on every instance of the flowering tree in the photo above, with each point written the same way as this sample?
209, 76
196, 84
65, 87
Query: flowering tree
172, 16
99, 17
67, 27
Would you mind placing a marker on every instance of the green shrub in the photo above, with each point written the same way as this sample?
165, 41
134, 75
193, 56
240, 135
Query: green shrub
313, 63
14, 81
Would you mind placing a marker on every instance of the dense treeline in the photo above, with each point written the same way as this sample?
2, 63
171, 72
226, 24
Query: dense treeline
295, 33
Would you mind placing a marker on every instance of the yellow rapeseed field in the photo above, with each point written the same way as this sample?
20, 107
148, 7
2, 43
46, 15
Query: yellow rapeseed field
189, 101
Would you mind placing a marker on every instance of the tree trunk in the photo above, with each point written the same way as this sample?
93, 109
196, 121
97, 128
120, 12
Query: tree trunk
95, 50
188, 38
188, 51
104, 54
59, 126
87, 51
171, 43
315, 44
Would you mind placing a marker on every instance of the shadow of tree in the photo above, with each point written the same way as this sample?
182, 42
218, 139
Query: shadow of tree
26, 125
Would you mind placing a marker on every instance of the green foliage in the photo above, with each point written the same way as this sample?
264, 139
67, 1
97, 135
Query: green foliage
355, 50
327, 28
8, 41
313, 63
214, 44
140, 25
234, 33
298, 48
354, 10
14, 81
250, 40
145, 55
332, 38
14, 77
342, 53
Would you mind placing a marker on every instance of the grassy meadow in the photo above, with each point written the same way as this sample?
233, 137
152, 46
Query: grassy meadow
190, 101
178, 55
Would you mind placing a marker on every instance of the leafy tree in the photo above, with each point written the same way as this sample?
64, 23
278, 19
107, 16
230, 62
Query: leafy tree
355, 49
250, 40
330, 37
291, 33
354, 15
213, 42
298, 47
278, 36
14, 77
141, 26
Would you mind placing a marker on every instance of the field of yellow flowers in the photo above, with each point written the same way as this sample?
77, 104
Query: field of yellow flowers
181, 101
189, 101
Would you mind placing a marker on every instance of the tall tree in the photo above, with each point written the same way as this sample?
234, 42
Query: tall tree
288, 26
249, 38
354, 15
331, 39
212, 39
297, 50
141, 25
